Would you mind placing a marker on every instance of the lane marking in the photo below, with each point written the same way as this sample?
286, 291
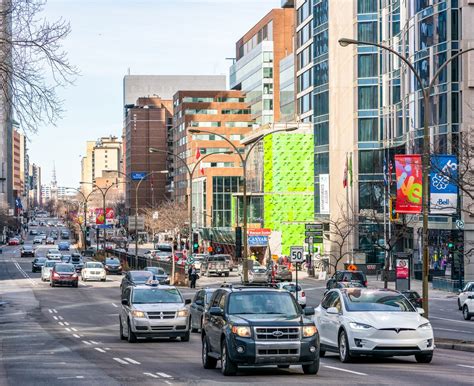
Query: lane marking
114, 305
452, 320
121, 361
450, 329
73, 329
99, 349
469, 367
55, 317
132, 361
94, 342
68, 329
344, 370
164, 375
86, 342
55, 311
50, 311
76, 336
107, 348
151, 375
168, 382
66, 323
61, 323
60, 317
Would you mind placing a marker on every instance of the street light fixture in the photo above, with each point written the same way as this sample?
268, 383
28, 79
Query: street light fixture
426, 91
244, 160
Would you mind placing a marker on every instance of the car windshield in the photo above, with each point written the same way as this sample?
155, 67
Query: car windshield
140, 277
361, 301
64, 268
163, 248
291, 287
27, 247
75, 259
93, 265
53, 251
259, 269
156, 295
50, 264
156, 270
216, 258
352, 276
41, 259
264, 302
112, 261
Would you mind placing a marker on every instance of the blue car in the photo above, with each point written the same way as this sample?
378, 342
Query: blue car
64, 246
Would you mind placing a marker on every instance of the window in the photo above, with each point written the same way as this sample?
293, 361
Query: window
304, 11
368, 129
370, 196
238, 124
367, 98
321, 73
236, 111
370, 161
200, 111
304, 34
304, 57
268, 104
329, 299
230, 99
320, 13
367, 31
304, 80
367, 66
321, 103
366, 6
320, 43
222, 191
426, 32
321, 134
204, 124
268, 73
198, 99
304, 103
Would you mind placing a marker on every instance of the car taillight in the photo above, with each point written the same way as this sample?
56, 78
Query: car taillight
302, 294
365, 283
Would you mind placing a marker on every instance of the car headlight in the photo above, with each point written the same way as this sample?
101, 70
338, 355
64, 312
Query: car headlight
425, 326
107, 267
309, 331
243, 331
183, 313
359, 326
138, 314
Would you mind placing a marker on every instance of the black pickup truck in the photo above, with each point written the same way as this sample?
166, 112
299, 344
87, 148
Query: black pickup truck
255, 326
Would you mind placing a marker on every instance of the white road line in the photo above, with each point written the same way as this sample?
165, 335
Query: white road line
469, 367
66, 323
50, 311
114, 305
99, 349
76, 336
164, 375
107, 348
55, 317
151, 375
168, 382
61, 323
60, 317
68, 329
451, 320
86, 342
55, 311
344, 370
121, 361
450, 329
93, 342
132, 361
73, 329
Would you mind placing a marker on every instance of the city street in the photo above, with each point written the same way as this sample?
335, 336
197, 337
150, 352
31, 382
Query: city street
58, 335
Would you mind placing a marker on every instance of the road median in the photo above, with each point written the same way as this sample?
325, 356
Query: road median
455, 344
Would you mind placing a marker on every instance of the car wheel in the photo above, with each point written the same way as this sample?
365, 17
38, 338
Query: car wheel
465, 313
52, 284
122, 336
132, 338
344, 352
424, 358
312, 368
228, 367
102, 279
185, 337
207, 361
459, 305
322, 353
193, 329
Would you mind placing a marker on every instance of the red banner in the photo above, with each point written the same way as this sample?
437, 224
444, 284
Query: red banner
409, 183
99, 216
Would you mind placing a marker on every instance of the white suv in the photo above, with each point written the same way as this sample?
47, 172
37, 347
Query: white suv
467, 291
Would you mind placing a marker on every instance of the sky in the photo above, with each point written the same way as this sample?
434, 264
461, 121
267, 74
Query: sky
146, 37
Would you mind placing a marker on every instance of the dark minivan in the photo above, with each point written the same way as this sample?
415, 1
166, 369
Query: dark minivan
347, 276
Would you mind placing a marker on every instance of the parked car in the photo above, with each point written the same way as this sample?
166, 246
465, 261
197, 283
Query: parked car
198, 306
467, 291
64, 246
215, 265
292, 288
89, 252
347, 276
14, 241
248, 326
229, 260
37, 264
46, 270
468, 308
27, 251
375, 322
113, 266
153, 311
414, 297
133, 278
63, 274
159, 274
150, 254
93, 270
281, 273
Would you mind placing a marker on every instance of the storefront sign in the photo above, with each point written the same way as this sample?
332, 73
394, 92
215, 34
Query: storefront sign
258, 241
259, 232
409, 183
324, 193
443, 190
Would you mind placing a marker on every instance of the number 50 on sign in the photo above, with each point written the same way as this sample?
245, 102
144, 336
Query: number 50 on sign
296, 254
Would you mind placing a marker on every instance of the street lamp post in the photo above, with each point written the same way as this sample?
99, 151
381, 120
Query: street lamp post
244, 172
426, 91
190, 172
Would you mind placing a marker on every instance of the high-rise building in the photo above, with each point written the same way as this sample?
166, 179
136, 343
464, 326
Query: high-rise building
218, 176
256, 70
34, 196
18, 164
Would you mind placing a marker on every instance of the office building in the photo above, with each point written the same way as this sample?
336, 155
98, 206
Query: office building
18, 164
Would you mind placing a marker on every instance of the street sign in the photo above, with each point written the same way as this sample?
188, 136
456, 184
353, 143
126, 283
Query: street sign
313, 226
104, 226
316, 240
139, 226
137, 176
314, 233
296, 254
460, 224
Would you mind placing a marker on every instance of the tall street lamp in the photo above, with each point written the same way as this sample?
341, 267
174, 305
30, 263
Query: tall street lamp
426, 91
190, 172
244, 171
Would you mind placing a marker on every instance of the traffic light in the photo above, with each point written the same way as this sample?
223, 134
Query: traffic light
195, 242
391, 209
238, 242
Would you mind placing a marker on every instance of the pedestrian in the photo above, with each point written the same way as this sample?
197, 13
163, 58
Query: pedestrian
192, 274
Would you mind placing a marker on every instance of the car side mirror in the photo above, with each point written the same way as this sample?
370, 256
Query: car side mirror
125, 302
470, 297
187, 301
308, 311
421, 311
332, 311
216, 311
199, 302
459, 291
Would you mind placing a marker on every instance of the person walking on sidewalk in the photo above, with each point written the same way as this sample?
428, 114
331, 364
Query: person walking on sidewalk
192, 274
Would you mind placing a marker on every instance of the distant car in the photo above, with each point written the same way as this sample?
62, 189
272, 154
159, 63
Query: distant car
38, 240
133, 278
76, 260
38, 263
27, 251
113, 266
150, 254
229, 260
159, 274
414, 297
64, 235
347, 276
214, 264
54, 236
63, 274
33, 224
93, 270
89, 252
467, 291
282, 273
66, 258
46, 270
33, 232
292, 287
162, 256
198, 259
49, 240
198, 306
14, 241
64, 246
54, 256
257, 275
43, 236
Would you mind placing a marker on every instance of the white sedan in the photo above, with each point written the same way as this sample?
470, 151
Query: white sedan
291, 287
93, 270
377, 322
54, 256
46, 270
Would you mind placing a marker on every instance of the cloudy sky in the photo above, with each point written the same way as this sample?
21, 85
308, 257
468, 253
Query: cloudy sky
111, 37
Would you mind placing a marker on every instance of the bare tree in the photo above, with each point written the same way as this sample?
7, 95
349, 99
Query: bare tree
172, 216
33, 62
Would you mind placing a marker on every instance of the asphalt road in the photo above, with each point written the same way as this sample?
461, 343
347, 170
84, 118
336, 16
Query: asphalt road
57, 336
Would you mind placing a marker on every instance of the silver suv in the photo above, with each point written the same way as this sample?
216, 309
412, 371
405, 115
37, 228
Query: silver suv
154, 311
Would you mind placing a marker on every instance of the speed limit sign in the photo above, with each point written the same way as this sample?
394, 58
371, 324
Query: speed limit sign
296, 254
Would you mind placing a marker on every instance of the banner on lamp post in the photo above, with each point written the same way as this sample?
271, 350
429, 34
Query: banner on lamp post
99, 216
324, 193
109, 216
443, 190
409, 183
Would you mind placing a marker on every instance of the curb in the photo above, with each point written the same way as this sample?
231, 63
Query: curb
457, 345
